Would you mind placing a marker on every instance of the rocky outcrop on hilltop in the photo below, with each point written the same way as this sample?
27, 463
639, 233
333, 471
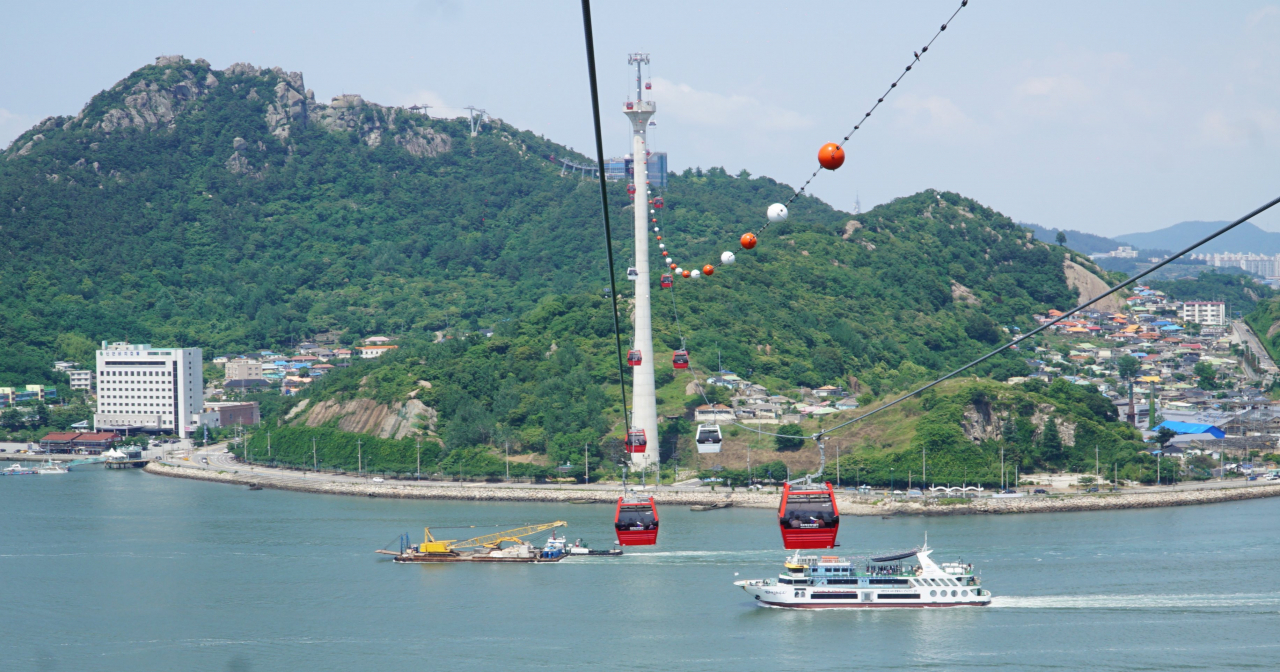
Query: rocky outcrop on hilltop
154, 98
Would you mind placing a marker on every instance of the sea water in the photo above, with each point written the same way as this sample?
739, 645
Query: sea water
122, 570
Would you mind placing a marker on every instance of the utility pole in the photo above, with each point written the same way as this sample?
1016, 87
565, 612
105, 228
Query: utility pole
837, 465
507, 443
359, 460
268, 446
586, 465
1003, 482
418, 474
314, 464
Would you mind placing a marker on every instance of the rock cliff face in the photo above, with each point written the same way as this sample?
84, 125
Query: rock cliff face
153, 98
365, 416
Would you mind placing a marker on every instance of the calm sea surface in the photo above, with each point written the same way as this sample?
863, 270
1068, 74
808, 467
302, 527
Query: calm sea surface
127, 571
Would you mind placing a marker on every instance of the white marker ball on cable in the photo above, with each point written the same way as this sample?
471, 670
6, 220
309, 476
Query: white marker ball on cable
727, 258
679, 270
662, 246
695, 273
777, 213
655, 229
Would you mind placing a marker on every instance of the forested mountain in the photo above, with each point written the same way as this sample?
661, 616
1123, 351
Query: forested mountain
230, 210
227, 209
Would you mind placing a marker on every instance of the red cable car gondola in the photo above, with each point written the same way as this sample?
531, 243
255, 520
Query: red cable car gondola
648, 86
808, 518
636, 522
666, 279
657, 202
636, 442
631, 189
680, 359
634, 357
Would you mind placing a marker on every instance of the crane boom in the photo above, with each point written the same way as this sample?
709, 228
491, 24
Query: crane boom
491, 540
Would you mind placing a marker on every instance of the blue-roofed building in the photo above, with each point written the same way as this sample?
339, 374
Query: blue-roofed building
1191, 428
1172, 327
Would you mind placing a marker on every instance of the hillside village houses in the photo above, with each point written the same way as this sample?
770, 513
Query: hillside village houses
1169, 339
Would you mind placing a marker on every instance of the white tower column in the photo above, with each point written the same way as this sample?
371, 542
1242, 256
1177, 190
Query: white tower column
644, 405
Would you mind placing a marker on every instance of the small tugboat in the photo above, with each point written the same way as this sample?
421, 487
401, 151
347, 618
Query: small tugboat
830, 582
578, 549
18, 470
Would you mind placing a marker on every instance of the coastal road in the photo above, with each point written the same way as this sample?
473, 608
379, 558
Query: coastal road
220, 460
1244, 333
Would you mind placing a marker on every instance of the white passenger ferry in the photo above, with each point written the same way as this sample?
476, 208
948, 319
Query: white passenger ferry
830, 582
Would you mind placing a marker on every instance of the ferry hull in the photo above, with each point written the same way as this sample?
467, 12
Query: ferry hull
872, 605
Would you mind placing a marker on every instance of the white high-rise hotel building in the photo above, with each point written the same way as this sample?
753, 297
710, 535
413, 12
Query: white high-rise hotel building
142, 388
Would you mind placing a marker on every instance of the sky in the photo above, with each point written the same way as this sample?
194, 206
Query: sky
1098, 116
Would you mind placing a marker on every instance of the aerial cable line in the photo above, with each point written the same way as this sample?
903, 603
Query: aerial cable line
1042, 327
830, 157
604, 202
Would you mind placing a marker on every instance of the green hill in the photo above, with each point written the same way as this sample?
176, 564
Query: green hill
228, 209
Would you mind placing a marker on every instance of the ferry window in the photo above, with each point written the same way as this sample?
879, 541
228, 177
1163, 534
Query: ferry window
953, 593
964, 593
933, 593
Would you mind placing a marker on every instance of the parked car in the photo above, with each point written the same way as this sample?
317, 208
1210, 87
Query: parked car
1252, 478
1041, 491
1091, 490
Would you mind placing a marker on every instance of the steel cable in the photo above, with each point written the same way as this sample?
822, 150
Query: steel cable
604, 202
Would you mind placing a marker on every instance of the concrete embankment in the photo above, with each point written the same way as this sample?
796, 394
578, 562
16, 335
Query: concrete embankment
762, 499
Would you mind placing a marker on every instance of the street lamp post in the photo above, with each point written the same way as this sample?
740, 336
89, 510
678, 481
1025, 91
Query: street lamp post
314, 463
359, 460
418, 474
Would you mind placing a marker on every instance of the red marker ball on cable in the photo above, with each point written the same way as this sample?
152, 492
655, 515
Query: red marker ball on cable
831, 156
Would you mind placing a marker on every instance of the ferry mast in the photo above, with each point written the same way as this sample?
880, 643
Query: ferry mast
644, 408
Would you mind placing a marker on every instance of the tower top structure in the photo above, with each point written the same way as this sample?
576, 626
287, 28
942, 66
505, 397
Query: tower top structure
638, 59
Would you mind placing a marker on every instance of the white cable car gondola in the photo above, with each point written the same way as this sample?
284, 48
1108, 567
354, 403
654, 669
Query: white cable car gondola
709, 438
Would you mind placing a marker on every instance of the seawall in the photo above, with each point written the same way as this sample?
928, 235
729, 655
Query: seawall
849, 505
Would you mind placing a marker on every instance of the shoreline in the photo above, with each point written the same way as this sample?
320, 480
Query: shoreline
768, 500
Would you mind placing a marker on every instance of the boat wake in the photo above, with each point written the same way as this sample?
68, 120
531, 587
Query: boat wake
693, 557
1235, 600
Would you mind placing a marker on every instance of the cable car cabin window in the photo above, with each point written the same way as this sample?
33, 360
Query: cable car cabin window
809, 512
636, 519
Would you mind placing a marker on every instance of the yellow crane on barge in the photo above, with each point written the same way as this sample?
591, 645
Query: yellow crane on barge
485, 548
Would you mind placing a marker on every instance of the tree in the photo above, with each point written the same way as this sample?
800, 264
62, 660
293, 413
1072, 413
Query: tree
1208, 376
1164, 435
1061, 238
789, 442
1051, 441
12, 419
1128, 366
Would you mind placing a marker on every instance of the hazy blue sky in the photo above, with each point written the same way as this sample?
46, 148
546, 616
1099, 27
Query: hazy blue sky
1108, 117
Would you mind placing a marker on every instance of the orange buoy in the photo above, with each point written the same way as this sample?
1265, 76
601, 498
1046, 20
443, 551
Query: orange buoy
708, 269
831, 156
685, 274
748, 241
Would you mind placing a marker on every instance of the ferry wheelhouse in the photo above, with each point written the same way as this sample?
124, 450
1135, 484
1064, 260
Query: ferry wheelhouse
830, 582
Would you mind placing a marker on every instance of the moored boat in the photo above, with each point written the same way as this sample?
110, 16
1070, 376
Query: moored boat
830, 582
18, 470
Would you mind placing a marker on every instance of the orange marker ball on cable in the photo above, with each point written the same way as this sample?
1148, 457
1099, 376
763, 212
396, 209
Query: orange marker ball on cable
831, 156
673, 267
685, 274
747, 241
708, 269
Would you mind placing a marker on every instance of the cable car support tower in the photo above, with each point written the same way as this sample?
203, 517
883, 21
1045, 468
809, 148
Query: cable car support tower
644, 409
